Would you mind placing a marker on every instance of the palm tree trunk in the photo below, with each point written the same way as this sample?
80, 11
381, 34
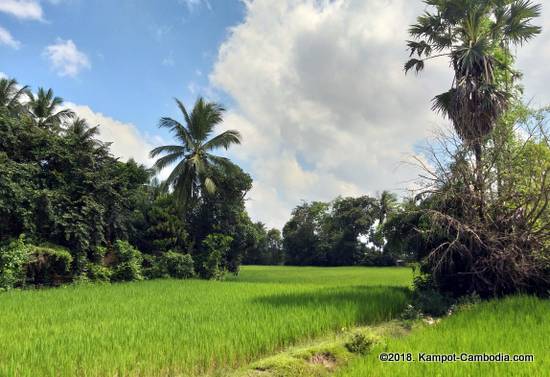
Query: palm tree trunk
479, 186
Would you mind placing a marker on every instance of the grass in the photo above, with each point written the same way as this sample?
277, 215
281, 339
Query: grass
518, 325
188, 328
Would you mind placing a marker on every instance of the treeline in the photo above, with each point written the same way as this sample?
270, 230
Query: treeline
70, 211
344, 232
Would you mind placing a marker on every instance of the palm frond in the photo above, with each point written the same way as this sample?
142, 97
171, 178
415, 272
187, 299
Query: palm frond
168, 160
204, 117
417, 64
179, 131
223, 140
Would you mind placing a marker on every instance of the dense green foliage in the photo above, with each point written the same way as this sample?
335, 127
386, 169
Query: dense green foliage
347, 231
192, 327
515, 325
61, 187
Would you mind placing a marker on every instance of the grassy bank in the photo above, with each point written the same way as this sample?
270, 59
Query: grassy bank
169, 327
519, 325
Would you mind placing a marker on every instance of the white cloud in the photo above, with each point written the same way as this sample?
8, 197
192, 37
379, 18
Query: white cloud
22, 9
532, 59
127, 141
66, 59
7, 39
322, 100
3, 75
192, 4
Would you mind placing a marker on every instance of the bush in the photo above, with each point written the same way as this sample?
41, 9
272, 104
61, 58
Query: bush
128, 262
428, 299
411, 313
153, 267
375, 258
179, 266
48, 265
432, 302
97, 272
13, 259
361, 343
216, 246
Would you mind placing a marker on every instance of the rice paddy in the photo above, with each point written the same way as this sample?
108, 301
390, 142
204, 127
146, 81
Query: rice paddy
188, 328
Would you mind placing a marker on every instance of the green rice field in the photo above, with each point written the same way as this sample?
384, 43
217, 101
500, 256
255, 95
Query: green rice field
192, 327
518, 325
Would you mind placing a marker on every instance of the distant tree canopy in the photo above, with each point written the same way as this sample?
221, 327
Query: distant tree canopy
346, 231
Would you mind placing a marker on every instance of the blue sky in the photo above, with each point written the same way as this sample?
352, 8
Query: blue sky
316, 87
140, 53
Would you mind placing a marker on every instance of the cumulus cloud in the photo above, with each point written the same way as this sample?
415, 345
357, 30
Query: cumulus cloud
22, 9
7, 39
127, 141
531, 61
66, 59
322, 101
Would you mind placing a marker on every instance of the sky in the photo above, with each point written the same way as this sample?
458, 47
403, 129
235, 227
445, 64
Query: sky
316, 87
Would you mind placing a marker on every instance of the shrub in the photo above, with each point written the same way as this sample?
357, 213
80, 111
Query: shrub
153, 267
411, 313
361, 343
13, 259
48, 265
128, 262
428, 299
97, 272
216, 246
432, 302
179, 266
374, 257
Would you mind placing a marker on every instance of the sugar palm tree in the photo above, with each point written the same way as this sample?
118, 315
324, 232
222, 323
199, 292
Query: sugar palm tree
476, 36
193, 175
44, 109
387, 203
11, 94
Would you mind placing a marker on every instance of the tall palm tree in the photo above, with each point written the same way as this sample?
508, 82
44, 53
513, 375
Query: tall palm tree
11, 94
44, 110
193, 174
387, 203
476, 36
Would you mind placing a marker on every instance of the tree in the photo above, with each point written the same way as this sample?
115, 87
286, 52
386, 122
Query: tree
193, 174
274, 243
11, 94
387, 203
476, 35
303, 235
44, 109
350, 219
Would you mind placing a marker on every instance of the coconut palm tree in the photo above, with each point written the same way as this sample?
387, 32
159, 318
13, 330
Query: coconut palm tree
11, 94
476, 36
44, 109
193, 175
